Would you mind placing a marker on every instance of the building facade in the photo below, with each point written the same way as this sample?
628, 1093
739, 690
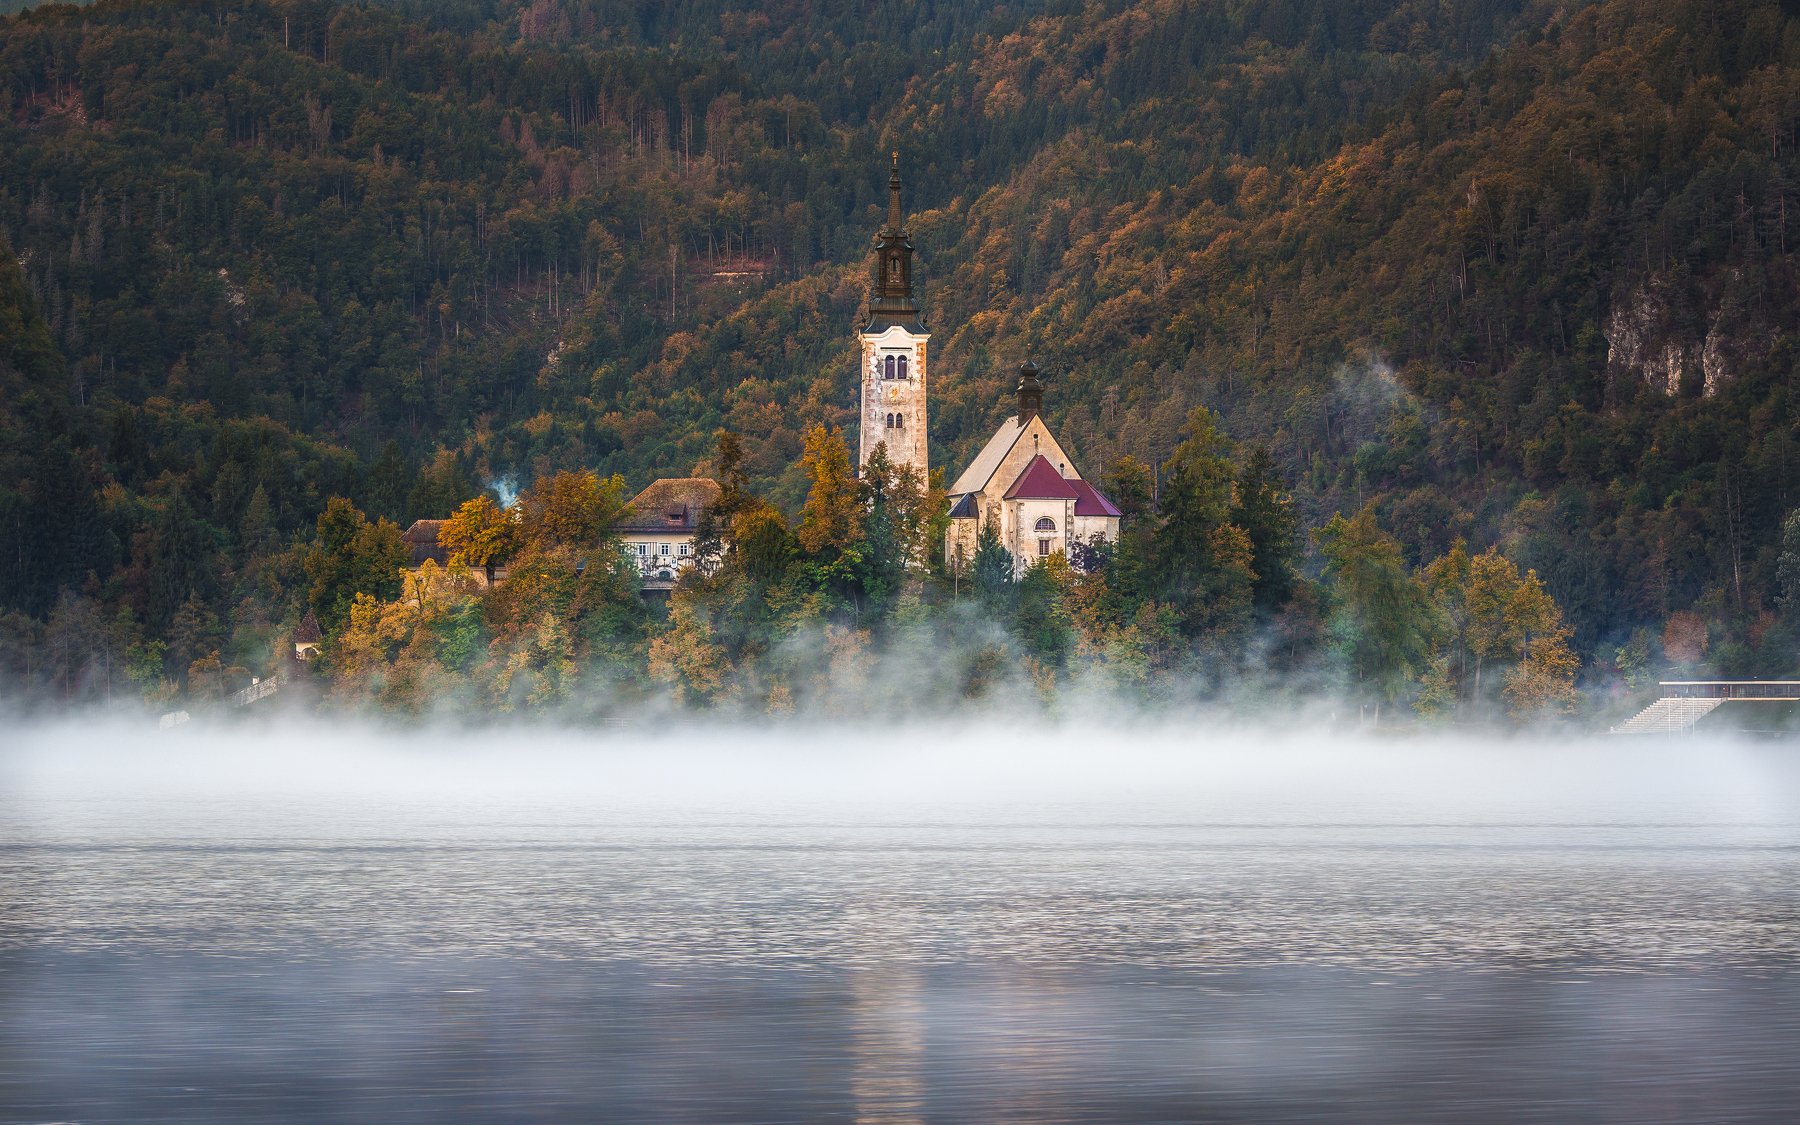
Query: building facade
893, 376
1025, 486
659, 526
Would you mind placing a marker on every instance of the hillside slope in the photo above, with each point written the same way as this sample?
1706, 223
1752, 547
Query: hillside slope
1514, 271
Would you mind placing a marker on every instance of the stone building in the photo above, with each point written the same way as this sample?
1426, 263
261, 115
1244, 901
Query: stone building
1025, 485
893, 349
659, 525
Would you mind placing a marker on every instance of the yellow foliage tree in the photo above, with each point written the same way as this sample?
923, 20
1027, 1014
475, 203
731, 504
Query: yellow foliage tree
571, 509
832, 517
481, 534
686, 658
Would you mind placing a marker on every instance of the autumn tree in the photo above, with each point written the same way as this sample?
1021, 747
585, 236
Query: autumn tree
481, 534
571, 509
832, 518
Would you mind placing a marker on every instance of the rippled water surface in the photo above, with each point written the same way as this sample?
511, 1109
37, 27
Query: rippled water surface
1371, 935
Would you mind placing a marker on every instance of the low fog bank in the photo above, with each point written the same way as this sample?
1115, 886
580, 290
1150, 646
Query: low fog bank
1195, 770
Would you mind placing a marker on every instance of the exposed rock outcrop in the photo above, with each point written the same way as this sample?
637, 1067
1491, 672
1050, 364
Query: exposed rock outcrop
1688, 341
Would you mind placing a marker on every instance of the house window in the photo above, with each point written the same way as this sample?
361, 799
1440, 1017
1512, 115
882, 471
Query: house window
665, 549
1046, 524
684, 548
901, 367
643, 548
887, 368
1044, 547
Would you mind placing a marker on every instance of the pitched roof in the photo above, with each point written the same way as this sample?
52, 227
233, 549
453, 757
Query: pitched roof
981, 470
421, 540
669, 504
308, 633
1090, 502
1041, 481
965, 508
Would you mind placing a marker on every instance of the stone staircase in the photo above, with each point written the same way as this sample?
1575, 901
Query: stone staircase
1668, 716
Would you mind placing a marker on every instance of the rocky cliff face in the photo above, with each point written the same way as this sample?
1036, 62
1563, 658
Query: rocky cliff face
1683, 339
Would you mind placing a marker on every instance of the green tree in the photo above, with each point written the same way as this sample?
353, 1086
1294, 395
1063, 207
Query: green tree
991, 570
1265, 511
351, 556
1201, 561
1382, 622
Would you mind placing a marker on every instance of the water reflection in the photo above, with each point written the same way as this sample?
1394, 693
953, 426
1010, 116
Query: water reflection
293, 957
887, 1045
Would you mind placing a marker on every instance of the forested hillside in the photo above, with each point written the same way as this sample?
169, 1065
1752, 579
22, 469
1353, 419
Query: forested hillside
1515, 272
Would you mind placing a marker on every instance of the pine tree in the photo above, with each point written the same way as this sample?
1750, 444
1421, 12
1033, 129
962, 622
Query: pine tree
1265, 512
991, 570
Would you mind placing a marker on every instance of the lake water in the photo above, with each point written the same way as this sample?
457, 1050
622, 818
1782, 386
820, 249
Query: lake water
1136, 927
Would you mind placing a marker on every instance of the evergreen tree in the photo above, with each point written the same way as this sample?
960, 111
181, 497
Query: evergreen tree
1200, 561
991, 571
1265, 512
351, 556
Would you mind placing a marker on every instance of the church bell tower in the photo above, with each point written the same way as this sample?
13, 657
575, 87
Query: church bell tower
893, 348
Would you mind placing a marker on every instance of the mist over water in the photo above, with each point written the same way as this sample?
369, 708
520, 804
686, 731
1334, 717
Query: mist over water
1011, 920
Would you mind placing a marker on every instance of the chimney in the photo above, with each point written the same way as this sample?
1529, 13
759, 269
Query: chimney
1031, 393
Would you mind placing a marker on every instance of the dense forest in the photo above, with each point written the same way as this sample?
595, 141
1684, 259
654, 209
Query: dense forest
1485, 299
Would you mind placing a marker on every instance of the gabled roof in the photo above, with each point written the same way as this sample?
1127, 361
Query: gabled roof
669, 504
1089, 501
1041, 481
965, 507
308, 633
981, 470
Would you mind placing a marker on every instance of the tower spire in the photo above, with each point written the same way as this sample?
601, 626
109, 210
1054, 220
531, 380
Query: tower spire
893, 303
895, 218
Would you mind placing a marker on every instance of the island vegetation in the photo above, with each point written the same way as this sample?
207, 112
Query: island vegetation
1441, 355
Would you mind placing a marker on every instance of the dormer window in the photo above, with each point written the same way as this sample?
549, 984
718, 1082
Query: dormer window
677, 515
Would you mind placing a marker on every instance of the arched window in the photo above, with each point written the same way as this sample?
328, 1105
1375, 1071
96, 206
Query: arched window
902, 368
887, 368
890, 421
1046, 524
899, 421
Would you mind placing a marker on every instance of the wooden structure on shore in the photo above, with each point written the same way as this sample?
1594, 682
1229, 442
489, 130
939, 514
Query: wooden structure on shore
1685, 702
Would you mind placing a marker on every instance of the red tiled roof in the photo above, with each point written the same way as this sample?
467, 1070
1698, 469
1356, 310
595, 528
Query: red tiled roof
1041, 481
1089, 501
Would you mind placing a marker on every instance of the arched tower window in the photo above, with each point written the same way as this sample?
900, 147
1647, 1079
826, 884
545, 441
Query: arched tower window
902, 368
887, 368
899, 421
1046, 524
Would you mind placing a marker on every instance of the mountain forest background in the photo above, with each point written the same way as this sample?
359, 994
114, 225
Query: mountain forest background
1511, 273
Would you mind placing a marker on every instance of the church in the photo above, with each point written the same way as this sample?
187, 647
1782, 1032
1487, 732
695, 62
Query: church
1022, 484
